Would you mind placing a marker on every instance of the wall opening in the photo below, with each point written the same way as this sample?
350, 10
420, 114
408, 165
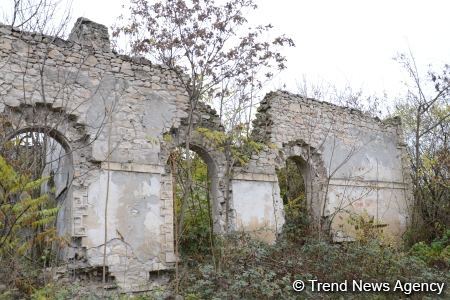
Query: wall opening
37, 153
195, 209
293, 191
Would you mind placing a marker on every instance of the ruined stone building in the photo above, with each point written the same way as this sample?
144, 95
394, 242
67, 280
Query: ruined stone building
117, 119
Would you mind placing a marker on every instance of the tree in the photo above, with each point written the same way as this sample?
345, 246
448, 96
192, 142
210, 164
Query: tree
209, 47
43, 16
23, 209
425, 111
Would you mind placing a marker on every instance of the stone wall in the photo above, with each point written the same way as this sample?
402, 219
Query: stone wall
110, 113
119, 118
351, 163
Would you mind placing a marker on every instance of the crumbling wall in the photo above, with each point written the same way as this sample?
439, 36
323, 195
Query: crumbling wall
256, 204
111, 111
119, 118
353, 163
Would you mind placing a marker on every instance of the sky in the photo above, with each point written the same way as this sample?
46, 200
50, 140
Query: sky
345, 43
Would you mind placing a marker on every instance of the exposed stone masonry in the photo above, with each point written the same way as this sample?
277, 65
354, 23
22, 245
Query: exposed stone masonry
352, 162
119, 118
87, 33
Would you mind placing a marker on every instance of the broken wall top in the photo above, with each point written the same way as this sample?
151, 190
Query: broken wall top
83, 78
349, 142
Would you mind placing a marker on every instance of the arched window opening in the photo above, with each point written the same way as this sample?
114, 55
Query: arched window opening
193, 200
293, 192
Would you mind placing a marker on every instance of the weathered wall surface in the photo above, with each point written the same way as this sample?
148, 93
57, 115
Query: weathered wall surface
119, 118
102, 107
255, 210
352, 162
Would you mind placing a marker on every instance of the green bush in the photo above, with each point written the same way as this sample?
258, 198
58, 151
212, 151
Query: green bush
437, 253
27, 228
248, 269
51, 291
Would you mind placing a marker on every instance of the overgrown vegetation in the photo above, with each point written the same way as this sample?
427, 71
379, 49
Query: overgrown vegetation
293, 193
425, 112
249, 269
27, 229
197, 233
252, 270
229, 70
437, 253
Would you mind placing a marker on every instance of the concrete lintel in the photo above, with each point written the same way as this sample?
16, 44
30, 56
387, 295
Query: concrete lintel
368, 183
255, 177
133, 167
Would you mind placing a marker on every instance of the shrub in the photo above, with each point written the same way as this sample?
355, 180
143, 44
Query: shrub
437, 253
26, 226
248, 269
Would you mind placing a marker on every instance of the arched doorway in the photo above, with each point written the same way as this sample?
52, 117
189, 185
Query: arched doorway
41, 155
309, 176
198, 205
293, 191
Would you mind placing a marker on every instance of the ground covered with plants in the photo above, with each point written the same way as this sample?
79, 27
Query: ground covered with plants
221, 267
251, 270
234, 266
248, 269
230, 62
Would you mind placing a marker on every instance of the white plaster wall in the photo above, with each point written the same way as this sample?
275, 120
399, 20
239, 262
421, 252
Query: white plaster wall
133, 212
353, 153
385, 203
369, 155
254, 205
370, 182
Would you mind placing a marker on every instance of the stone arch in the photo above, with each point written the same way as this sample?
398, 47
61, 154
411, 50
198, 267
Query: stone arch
59, 158
309, 161
215, 161
51, 132
72, 137
203, 117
